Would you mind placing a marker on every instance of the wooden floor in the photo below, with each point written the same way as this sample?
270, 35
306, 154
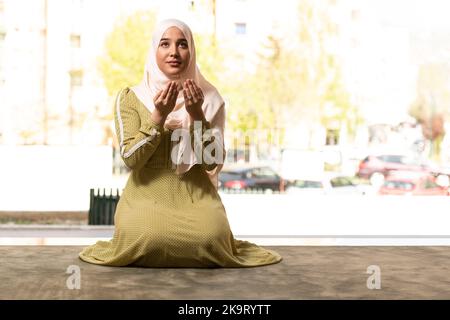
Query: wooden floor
306, 272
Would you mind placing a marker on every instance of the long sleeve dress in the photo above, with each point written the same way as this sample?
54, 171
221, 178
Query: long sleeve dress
163, 219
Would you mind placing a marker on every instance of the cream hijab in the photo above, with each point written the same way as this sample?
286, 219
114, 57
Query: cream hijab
155, 80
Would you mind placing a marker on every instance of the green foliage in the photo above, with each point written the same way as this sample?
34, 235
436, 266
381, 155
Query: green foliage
297, 82
341, 109
126, 48
430, 108
210, 58
323, 94
258, 99
288, 84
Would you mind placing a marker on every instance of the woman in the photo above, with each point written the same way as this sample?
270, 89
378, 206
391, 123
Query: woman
170, 213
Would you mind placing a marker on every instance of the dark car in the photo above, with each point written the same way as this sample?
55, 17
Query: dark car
376, 167
249, 177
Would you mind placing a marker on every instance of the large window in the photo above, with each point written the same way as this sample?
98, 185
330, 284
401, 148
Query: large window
75, 40
332, 137
76, 78
240, 28
2, 45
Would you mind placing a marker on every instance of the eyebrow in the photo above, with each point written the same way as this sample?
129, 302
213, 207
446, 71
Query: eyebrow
181, 39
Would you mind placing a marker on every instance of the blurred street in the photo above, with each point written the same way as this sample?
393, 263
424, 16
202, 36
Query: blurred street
283, 219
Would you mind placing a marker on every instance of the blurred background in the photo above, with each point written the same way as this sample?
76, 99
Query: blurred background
324, 98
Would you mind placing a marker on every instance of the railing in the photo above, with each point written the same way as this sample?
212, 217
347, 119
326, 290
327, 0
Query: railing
249, 191
102, 207
103, 204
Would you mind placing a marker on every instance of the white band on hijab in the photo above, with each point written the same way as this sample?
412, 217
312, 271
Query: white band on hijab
155, 80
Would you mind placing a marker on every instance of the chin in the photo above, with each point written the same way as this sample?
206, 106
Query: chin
174, 74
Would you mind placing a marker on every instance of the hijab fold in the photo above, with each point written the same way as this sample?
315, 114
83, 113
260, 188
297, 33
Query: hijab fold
155, 80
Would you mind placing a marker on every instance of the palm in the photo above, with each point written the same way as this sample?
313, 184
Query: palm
193, 99
165, 99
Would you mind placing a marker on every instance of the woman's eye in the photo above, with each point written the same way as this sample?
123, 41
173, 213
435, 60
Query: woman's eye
164, 44
183, 44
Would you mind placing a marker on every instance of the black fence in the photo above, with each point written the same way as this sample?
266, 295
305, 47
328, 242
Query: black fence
102, 207
249, 191
103, 204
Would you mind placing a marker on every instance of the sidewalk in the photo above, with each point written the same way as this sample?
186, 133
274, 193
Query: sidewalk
77, 235
308, 272
44, 217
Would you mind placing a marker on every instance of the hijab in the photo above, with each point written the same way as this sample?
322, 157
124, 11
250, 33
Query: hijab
155, 80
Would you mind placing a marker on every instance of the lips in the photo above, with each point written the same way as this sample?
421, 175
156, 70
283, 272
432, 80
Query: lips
174, 63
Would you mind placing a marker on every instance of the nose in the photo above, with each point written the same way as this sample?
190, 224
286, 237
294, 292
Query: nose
173, 50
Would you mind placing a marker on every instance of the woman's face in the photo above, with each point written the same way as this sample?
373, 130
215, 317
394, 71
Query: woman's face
172, 55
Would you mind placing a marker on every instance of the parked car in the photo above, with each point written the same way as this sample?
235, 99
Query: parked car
332, 183
441, 172
249, 177
376, 168
412, 183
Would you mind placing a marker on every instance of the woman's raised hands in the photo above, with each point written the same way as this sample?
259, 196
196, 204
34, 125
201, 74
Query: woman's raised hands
193, 99
164, 101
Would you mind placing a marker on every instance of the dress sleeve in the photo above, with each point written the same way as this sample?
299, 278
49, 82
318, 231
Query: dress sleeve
212, 141
138, 139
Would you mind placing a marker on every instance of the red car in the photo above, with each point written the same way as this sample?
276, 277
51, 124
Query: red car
412, 183
380, 166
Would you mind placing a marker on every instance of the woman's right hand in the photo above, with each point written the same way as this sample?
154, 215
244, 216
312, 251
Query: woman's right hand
164, 102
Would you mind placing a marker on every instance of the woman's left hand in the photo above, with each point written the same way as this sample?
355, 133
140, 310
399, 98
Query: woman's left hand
193, 99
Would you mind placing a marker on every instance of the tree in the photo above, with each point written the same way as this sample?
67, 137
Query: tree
126, 48
337, 107
292, 83
322, 94
431, 106
258, 100
210, 59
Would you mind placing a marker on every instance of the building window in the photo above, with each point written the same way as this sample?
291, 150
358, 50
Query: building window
2, 47
76, 78
240, 28
355, 15
354, 42
77, 3
191, 5
75, 40
332, 137
2, 79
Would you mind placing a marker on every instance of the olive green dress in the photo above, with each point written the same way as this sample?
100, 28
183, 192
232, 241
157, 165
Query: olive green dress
163, 219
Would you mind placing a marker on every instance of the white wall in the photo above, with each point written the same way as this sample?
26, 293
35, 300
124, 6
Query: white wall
52, 178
